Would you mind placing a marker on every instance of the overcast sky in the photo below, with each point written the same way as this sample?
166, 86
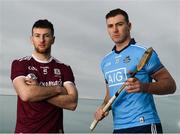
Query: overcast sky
81, 36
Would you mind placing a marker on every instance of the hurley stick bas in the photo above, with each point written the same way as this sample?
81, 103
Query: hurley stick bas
147, 54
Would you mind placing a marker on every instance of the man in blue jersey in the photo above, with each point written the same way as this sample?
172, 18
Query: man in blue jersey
134, 110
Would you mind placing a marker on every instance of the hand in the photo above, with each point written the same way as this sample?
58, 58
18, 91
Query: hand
134, 85
31, 79
100, 114
61, 90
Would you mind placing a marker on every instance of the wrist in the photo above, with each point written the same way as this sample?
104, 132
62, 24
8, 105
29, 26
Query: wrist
57, 89
61, 90
145, 87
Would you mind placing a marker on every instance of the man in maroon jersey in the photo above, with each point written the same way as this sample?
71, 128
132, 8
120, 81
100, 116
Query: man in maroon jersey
41, 99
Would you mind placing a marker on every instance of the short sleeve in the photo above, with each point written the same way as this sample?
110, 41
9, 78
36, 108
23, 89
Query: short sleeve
18, 68
68, 74
154, 64
102, 69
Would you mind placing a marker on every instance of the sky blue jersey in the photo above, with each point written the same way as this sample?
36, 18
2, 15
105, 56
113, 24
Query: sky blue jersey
130, 109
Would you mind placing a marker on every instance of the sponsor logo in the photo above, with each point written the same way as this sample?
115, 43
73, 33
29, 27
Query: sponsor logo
51, 83
116, 77
32, 68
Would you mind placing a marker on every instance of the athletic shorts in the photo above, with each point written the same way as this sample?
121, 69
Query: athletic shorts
151, 128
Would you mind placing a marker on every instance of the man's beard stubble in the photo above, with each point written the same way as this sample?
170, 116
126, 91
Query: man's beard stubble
45, 51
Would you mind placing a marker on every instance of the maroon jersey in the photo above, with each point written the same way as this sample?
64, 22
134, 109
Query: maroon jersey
41, 116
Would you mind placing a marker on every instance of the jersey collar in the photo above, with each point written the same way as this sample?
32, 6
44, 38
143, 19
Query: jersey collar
132, 41
40, 61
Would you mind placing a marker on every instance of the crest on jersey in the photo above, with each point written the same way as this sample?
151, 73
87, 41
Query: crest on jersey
127, 59
57, 71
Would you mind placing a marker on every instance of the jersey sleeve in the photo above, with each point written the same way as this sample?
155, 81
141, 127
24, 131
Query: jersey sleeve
68, 74
18, 68
154, 64
102, 69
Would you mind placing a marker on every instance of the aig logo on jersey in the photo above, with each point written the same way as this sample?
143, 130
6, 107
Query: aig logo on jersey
116, 77
57, 72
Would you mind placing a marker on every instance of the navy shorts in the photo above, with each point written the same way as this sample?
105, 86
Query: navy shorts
151, 128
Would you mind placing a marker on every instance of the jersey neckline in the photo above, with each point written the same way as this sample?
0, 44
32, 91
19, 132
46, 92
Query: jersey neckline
41, 61
132, 41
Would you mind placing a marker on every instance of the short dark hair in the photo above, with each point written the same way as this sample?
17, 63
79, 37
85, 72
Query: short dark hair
117, 11
44, 24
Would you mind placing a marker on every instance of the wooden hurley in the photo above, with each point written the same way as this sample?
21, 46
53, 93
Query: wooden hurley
145, 58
